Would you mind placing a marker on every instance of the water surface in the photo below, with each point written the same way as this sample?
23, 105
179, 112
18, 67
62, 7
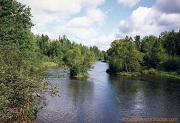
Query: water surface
106, 99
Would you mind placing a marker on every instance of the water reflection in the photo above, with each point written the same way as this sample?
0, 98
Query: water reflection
106, 99
80, 92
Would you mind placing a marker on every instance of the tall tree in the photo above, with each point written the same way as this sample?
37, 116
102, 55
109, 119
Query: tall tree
138, 42
97, 52
17, 60
15, 22
171, 42
123, 56
146, 48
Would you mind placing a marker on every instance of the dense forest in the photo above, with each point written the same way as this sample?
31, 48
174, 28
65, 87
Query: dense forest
151, 54
77, 57
23, 55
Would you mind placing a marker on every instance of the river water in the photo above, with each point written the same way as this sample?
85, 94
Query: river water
107, 99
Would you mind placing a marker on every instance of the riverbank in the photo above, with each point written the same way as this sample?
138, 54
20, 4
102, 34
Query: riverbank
162, 73
169, 74
44, 65
129, 74
151, 71
99, 98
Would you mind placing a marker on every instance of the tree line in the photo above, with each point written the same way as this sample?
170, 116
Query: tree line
22, 56
62, 51
160, 53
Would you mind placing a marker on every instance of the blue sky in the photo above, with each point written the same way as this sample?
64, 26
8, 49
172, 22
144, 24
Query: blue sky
99, 22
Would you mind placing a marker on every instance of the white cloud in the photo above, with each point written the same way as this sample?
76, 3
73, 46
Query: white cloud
55, 6
171, 20
141, 22
149, 21
104, 41
46, 11
80, 20
76, 33
169, 14
97, 15
128, 3
89, 4
168, 6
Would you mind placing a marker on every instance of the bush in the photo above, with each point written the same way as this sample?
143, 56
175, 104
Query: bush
18, 84
82, 76
150, 71
172, 64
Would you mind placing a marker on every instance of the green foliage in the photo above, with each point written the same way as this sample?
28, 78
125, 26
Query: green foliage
82, 76
77, 57
79, 61
15, 23
150, 71
175, 75
171, 42
18, 85
159, 53
147, 47
162, 53
138, 42
123, 56
129, 74
98, 54
42, 42
19, 58
171, 64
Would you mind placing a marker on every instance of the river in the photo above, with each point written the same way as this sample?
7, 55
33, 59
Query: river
107, 99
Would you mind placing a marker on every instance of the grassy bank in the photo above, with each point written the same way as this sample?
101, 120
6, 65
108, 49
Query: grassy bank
129, 74
169, 74
48, 64
162, 73
43, 66
151, 71
82, 76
